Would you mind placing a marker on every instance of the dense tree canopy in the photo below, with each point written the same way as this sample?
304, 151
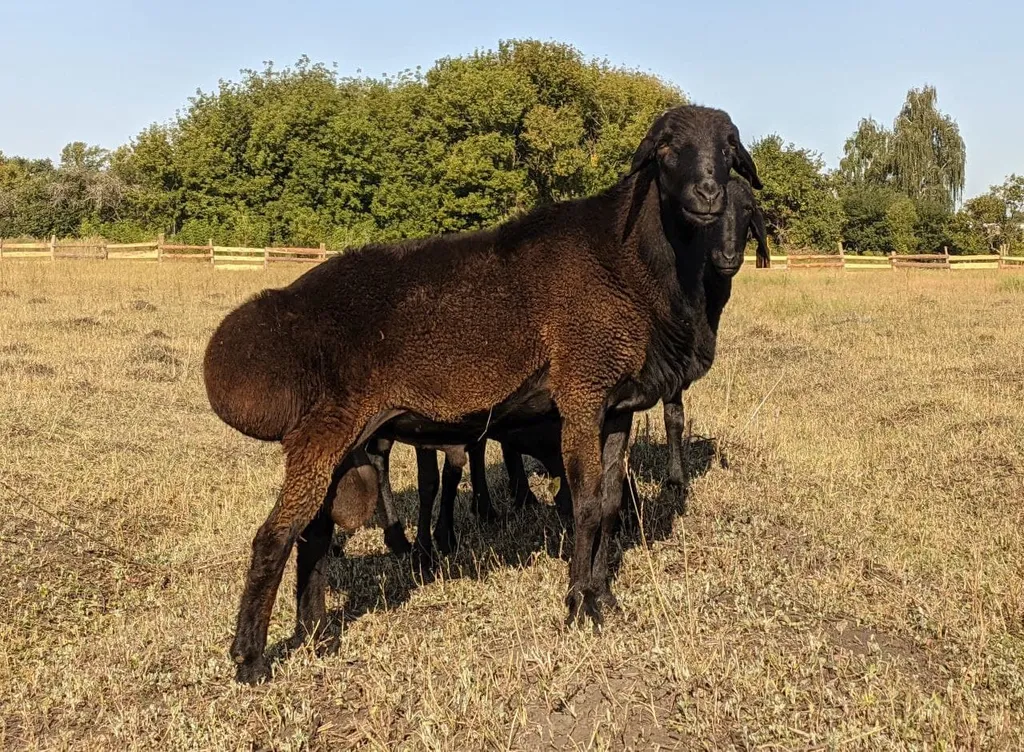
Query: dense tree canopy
301, 155
799, 202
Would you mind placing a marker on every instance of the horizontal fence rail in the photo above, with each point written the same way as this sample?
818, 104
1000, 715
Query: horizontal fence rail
232, 257
220, 257
891, 262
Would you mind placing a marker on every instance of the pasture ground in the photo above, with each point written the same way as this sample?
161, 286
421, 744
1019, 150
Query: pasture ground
848, 571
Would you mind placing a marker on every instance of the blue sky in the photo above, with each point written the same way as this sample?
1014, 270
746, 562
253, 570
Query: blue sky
101, 71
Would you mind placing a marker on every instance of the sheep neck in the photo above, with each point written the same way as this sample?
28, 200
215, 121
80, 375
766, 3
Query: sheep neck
673, 253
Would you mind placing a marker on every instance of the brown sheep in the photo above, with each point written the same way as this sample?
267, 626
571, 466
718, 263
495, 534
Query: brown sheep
724, 250
583, 307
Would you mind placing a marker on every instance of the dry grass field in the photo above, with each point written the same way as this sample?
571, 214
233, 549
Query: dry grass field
848, 571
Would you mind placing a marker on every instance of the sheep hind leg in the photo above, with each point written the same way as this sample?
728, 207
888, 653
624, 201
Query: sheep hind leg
311, 579
308, 474
379, 452
482, 506
427, 481
451, 476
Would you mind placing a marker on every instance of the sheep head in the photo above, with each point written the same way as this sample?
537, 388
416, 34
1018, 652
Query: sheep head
742, 216
693, 149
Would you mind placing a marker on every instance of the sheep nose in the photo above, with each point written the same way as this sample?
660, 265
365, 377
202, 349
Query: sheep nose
708, 190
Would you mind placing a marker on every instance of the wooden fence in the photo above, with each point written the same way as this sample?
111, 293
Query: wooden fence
221, 257
916, 261
225, 257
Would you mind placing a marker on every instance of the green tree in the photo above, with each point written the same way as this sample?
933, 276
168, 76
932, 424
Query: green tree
1011, 192
901, 222
928, 154
84, 192
153, 202
301, 155
921, 158
933, 226
965, 236
799, 202
867, 228
25, 207
866, 155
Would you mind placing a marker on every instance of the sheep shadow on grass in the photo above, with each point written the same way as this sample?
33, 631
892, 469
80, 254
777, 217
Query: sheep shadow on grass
647, 461
650, 506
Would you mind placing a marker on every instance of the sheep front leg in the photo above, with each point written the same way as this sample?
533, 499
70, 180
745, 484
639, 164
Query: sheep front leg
615, 436
674, 427
581, 441
451, 476
518, 484
427, 480
308, 470
482, 505
379, 452
556, 469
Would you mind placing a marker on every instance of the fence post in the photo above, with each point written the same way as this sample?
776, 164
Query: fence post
323, 251
1, 249
266, 257
211, 252
945, 251
53, 247
842, 255
892, 260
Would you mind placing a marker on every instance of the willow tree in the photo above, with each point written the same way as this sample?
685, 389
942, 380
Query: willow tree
922, 157
866, 154
927, 152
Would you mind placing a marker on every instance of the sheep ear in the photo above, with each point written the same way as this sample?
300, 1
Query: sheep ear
764, 258
644, 154
743, 163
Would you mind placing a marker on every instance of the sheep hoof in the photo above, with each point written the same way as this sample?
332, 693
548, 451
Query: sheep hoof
446, 541
395, 540
255, 671
673, 493
424, 563
295, 642
327, 644
324, 639
487, 514
607, 600
582, 606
